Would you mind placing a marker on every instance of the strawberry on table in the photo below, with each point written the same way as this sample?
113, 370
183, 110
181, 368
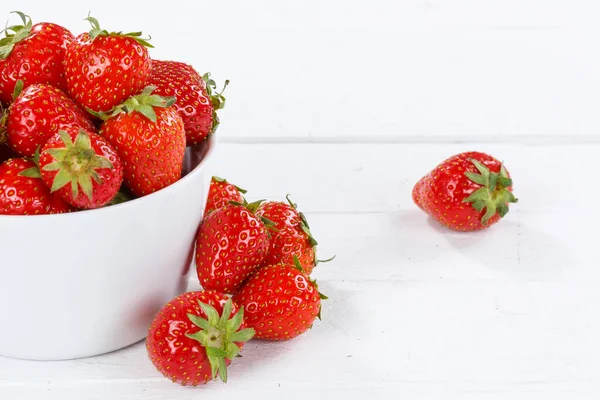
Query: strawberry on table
467, 192
231, 243
81, 167
280, 301
33, 54
22, 191
149, 136
197, 102
37, 113
103, 69
221, 193
196, 336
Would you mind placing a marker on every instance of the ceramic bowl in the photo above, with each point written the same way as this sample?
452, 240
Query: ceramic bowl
90, 282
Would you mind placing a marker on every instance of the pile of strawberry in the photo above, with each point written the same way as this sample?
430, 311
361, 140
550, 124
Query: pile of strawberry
91, 120
254, 263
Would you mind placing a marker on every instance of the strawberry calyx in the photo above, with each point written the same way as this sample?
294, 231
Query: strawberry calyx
143, 103
222, 180
97, 31
494, 195
77, 163
219, 334
217, 100
19, 85
14, 34
303, 222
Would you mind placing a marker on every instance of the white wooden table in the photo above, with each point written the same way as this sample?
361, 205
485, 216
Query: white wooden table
414, 311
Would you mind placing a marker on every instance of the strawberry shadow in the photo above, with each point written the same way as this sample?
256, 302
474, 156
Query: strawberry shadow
519, 249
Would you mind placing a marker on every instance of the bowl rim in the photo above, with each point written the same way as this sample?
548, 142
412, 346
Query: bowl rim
131, 203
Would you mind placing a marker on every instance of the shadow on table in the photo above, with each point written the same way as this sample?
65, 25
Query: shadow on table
517, 249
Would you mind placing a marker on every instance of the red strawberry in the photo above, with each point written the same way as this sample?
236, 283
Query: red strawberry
149, 137
103, 69
292, 237
467, 192
33, 54
221, 193
289, 243
193, 339
22, 191
75, 159
196, 102
280, 301
231, 243
39, 112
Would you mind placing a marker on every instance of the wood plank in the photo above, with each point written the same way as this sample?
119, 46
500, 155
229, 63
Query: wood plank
367, 178
384, 68
489, 337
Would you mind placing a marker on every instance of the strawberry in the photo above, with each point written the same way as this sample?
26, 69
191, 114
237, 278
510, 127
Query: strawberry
292, 237
75, 159
103, 69
193, 339
231, 243
289, 243
22, 192
33, 54
196, 102
149, 137
221, 193
280, 301
37, 113
466, 192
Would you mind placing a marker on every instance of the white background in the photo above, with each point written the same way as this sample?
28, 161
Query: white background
346, 104
377, 70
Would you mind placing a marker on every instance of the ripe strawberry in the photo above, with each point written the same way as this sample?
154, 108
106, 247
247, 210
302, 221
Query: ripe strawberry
22, 191
221, 193
149, 137
280, 301
289, 243
196, 102
37, 113
231, 243
193, 339
74, 159
103, 69
33, 54
292, 237
467, 192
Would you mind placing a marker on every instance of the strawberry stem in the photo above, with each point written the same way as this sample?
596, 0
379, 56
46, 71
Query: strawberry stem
97, 31
77, 163
219, 334
494, 194
143, 103
217, 100
14, 34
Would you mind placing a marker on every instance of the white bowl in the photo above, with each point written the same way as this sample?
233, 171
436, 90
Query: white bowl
90, 282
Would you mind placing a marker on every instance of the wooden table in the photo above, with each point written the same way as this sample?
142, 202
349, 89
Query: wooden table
414, 311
